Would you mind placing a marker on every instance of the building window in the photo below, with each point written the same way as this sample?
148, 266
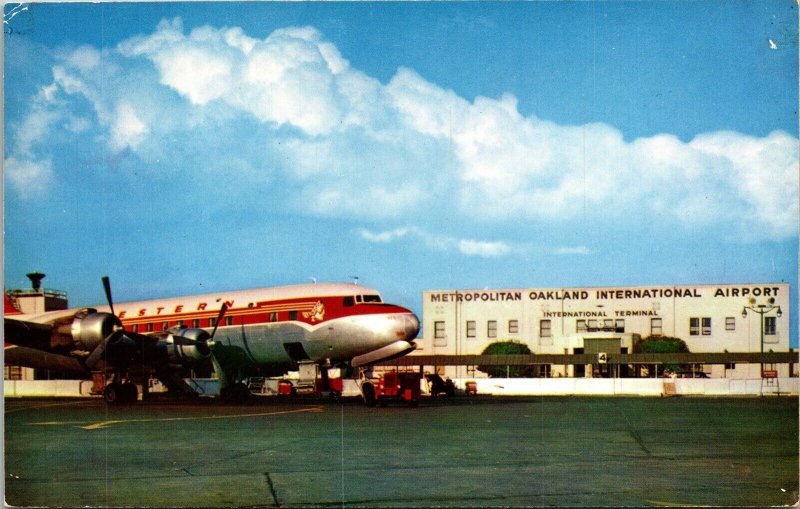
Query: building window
13, 373
544, 329
769, 325
471, 328
580, 326
619, 326
439, 338
656, 328
513, 326
706, 326
592, 325
491, 328
694, 326
730, 323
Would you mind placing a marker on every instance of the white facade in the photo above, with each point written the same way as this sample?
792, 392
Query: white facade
557, 321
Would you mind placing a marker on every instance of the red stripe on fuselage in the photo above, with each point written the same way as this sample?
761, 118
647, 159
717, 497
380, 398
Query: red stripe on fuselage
295, 310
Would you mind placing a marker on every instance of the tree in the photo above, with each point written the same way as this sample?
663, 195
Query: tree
507, 348
662, 344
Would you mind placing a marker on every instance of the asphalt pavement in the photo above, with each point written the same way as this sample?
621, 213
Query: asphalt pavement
465, 451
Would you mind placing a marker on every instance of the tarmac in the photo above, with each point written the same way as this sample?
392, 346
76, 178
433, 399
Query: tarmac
465, 451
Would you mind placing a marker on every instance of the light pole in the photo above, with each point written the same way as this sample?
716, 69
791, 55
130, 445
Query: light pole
762, 309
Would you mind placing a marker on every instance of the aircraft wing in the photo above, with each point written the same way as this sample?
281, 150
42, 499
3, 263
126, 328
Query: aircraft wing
68, 339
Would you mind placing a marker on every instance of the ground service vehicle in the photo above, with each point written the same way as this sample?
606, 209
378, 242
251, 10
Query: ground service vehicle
438, 385
392, 386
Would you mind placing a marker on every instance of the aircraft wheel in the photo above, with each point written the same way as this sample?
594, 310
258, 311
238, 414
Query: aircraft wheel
129, 392
113, 394
235, 394
241, 393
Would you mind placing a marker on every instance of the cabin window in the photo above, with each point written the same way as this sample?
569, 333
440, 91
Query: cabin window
292, 315
212, 322
150, 327
164, 325
273, 317
228, 320
348, 301
135, 328
196, 323
359, 299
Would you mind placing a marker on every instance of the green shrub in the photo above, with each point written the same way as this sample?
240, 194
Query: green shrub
662, 344
507, 348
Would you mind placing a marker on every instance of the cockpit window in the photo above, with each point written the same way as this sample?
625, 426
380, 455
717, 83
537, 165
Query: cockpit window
372, 298
348, 301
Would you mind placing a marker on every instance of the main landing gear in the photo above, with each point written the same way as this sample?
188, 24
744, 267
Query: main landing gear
117, 393
234, 393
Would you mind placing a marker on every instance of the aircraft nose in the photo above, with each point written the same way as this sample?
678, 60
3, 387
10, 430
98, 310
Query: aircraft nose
412, 326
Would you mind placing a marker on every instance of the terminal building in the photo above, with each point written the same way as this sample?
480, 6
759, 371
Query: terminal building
708, 318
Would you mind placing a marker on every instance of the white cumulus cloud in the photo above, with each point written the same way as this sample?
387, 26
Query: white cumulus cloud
344, 144
572, 250
438, 242
128, 129
30, 178
483, 249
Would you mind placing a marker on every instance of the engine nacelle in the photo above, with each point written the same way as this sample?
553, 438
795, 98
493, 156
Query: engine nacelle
187, 346
90, 330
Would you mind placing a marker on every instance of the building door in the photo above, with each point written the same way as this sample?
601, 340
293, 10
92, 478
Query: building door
607, 345
579, 370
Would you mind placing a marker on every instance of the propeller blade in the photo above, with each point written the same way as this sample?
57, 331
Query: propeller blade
220, 316
100, 349
107, 287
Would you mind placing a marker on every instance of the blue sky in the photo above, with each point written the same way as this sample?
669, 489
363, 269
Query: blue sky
193, 147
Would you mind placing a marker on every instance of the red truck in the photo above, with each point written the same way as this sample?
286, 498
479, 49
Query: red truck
401, 386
